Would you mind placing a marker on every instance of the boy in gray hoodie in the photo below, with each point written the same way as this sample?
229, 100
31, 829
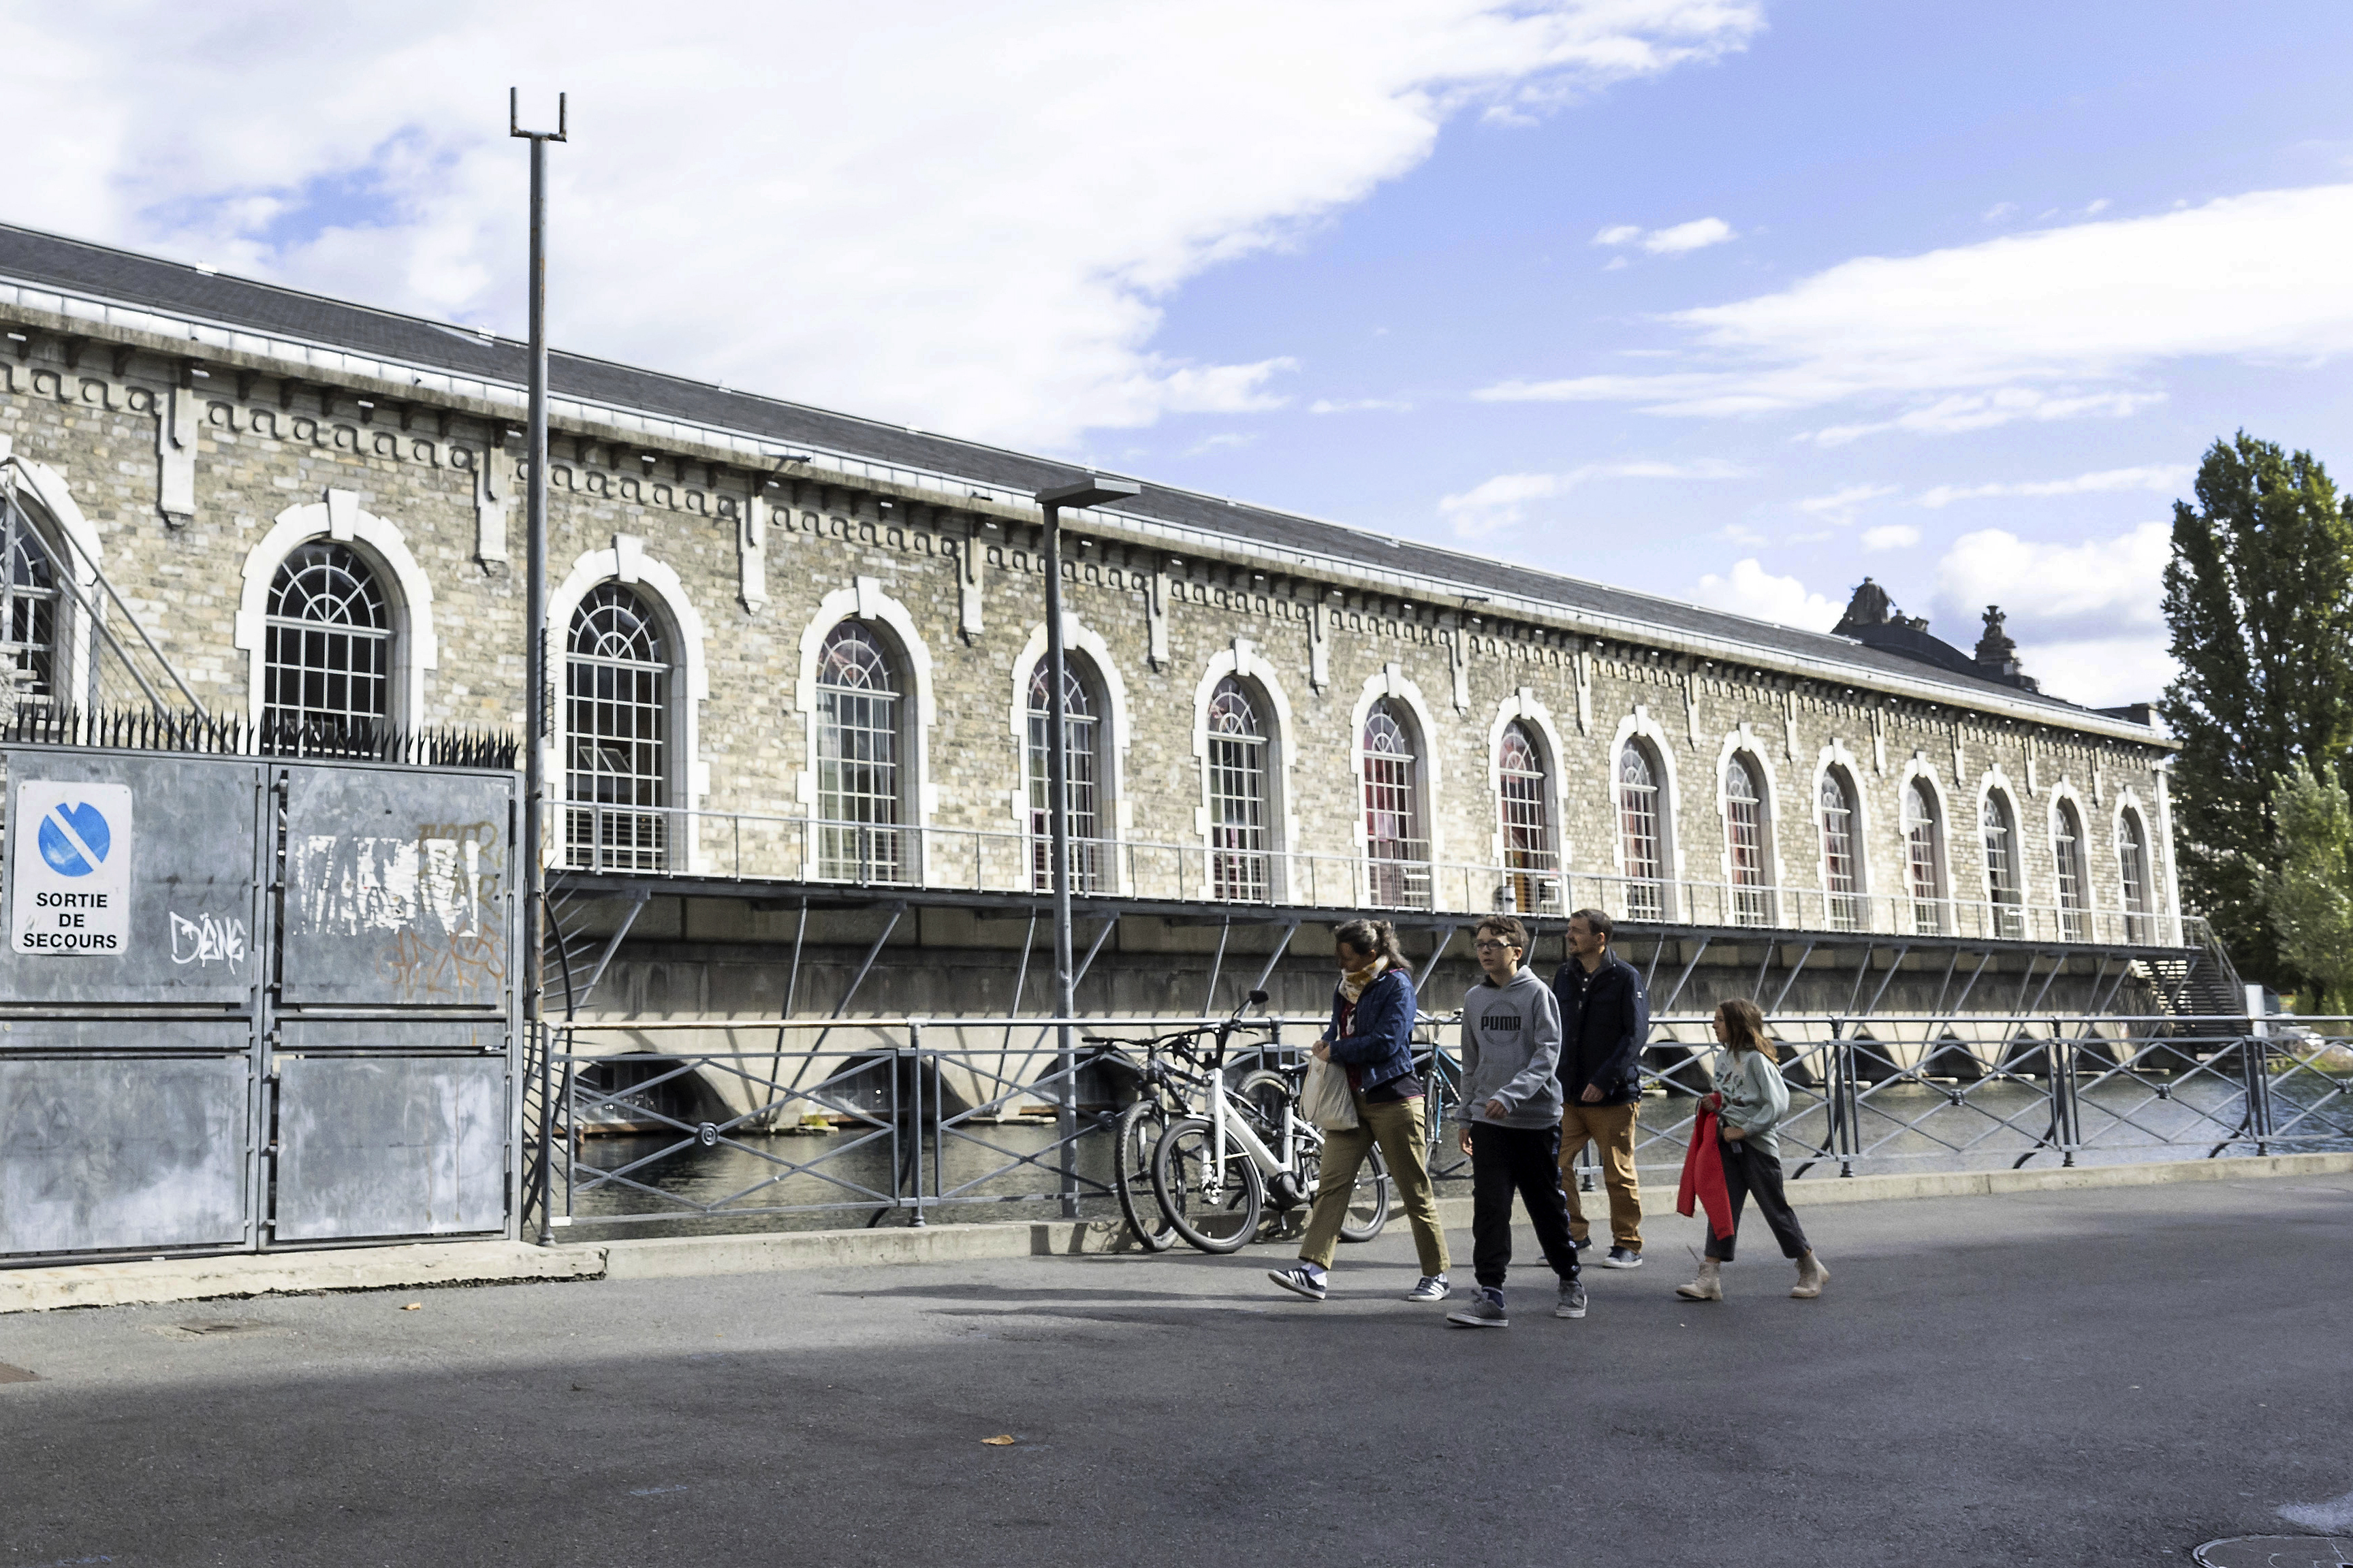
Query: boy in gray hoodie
1510, 1116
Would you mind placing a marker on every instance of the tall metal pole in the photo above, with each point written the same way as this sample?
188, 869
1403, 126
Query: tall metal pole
538, 726
1058, 801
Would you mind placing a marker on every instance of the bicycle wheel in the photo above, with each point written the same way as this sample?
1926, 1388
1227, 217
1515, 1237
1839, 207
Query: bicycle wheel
1369, 1201
1212, 1203
1265, 1093
1137, 1134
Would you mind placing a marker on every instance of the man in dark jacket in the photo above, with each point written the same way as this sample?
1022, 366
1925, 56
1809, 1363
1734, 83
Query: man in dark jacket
1605, 1022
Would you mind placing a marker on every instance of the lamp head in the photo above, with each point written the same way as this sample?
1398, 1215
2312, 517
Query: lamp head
1093, 491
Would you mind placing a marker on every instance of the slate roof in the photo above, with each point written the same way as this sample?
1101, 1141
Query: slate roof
173, 287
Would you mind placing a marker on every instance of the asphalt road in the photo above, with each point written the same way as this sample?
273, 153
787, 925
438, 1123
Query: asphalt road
2092, 1378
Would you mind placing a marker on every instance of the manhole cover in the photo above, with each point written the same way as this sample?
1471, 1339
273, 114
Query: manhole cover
219, 1330
2277, 1551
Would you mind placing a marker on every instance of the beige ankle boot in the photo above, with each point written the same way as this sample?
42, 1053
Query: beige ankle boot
1811, 1278
1708, 1287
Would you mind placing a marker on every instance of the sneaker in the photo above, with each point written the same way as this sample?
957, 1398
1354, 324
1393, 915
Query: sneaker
1301, 1280
1582, 1244
1431, 1288
1572, 1300
1482, 1312
1622, 1258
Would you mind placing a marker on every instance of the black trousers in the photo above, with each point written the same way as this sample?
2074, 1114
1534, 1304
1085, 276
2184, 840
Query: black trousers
1748, 1172
1527, 1160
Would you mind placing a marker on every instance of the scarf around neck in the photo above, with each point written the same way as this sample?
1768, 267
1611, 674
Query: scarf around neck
1354, 980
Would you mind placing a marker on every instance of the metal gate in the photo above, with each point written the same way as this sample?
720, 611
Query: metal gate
249, 1002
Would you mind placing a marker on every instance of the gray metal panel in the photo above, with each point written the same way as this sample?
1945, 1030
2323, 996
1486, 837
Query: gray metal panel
388, 1147
218, 1035
191, 936
117, 1155
396, 884
401, 1036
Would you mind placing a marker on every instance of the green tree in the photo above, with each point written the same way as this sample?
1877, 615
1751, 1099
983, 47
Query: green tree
2259, 597
2309, 895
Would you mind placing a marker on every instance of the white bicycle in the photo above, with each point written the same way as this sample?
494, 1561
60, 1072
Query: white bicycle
1214, 1173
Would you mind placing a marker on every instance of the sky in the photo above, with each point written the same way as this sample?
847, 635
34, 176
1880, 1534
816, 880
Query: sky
1730, 301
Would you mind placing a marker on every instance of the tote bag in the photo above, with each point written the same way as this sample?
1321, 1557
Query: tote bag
1324, 1099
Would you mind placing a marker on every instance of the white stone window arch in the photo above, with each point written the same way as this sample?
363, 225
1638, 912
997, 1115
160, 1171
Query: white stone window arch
1536, 883
657, 586
2074, 886
1089, 657
1396, 875
1757, 902
1923, 819
50, 576
1245, 665
866, 602
2144, 905
1843, 871
1646, 893
1996, 828
408, 595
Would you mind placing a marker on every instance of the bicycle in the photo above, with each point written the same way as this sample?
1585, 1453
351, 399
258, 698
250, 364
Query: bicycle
1213, 1174
1165, 1086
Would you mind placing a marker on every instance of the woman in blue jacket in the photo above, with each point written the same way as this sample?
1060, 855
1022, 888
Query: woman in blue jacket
1372, 1035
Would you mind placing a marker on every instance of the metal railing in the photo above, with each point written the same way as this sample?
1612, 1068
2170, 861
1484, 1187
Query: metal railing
696, 1120
752, 847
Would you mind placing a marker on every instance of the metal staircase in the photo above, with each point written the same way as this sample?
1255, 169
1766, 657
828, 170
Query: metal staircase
2203, 988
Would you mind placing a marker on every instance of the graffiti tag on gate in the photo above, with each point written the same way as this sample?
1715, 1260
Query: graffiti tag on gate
437, 896
207, 940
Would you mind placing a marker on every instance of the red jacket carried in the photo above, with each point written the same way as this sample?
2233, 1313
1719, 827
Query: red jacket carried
1703, 1176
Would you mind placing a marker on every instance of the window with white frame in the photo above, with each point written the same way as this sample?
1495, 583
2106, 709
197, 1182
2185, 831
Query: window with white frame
1396, 856
1524, 805
1924, 866
2068, 881
1998, 828
1640, 832
29, 608
2132, 872
1841, 873
1240, 867
860, 784
1744, 834
327, 660
617, 724
1083, 778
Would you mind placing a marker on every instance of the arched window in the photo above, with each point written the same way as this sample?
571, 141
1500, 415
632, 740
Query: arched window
1841, 872
618, 722
1923, 867
28, 609
1525, 808
327, 663
1743, 833
1397, 857
1641, 833
1997, 826
857, 750
2068, 879
1083, 778
2131, 871
1241, 867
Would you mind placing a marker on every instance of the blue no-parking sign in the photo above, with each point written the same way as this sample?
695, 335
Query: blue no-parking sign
70, 893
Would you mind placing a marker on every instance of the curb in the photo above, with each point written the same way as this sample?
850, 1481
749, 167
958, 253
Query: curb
39, 1289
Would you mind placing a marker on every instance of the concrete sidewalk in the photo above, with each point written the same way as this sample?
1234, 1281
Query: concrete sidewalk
226, 1276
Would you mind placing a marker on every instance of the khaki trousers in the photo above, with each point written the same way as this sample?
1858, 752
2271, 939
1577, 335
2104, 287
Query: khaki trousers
1397, 1126
1612, 1130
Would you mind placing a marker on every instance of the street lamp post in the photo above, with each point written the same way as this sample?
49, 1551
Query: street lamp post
1093, 491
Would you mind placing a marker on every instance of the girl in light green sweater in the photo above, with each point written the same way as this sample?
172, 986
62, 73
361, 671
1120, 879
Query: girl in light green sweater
1750, 1101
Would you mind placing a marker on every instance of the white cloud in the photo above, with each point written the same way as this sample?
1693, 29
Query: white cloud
2088, 617
2159, 476
2060, 323
1674, 241
1360, 406
1891, 536
1750, 590
1224, 440
1841, 505
967, 217
1503, 502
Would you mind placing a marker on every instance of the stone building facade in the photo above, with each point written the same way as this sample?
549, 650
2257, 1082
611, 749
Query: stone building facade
1288, 719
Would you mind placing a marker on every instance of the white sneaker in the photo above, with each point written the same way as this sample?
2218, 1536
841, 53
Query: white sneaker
1431, 1288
